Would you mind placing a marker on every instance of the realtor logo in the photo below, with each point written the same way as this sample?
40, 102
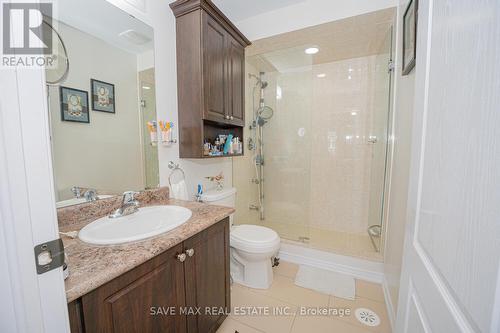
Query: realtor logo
23, 31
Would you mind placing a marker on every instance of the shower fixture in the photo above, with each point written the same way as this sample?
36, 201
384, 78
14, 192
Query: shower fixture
261, 116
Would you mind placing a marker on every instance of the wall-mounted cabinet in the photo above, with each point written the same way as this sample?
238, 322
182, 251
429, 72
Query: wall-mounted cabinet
210, 75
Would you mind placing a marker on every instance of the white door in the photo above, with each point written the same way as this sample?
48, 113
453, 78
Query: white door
450, 279
29, 302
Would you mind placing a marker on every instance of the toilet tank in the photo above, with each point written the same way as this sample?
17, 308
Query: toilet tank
225, 197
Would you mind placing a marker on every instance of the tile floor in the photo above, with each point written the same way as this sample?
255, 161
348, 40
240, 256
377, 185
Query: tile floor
256, 308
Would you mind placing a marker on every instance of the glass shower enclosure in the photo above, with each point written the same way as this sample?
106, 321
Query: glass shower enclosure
315, 169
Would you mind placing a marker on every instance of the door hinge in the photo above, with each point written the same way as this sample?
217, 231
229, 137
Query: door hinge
390, 66
49, 255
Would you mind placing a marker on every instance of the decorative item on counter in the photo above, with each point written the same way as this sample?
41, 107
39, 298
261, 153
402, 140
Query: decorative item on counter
153, 132
219, 181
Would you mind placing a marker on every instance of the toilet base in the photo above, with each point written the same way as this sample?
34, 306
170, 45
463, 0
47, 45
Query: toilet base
255, 274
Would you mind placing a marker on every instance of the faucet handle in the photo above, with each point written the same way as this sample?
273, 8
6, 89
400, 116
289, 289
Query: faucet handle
77, 191
129, 196
90, 195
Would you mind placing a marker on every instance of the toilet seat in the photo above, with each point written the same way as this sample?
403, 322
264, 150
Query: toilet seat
254, 238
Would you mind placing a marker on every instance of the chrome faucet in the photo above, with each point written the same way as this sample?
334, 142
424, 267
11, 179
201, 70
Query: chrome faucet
90, 195
129, 205
77, 191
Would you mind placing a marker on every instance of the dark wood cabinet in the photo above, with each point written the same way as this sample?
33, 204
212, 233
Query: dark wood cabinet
207, 277
236, 82
163, 294
210, 74
214, 70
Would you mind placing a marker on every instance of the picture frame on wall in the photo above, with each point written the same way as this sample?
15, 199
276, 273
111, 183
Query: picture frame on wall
103, 96
74, 105
410, 37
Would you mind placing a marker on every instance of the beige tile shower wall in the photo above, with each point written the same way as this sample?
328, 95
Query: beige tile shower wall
287, 152
318, 160
341, 157
243, 166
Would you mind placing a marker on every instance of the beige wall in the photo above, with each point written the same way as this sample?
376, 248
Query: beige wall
105, 154
396, 220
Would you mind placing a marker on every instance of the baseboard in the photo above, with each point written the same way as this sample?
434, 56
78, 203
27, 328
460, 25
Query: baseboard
358, 268
388, 303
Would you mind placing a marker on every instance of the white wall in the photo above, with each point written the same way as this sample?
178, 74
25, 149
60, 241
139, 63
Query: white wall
401, 145
305, 14
105, 154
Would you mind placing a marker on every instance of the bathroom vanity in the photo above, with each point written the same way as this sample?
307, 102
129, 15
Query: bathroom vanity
176, 282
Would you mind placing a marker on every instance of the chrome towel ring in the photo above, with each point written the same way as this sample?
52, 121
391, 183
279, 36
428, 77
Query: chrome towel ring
174, 167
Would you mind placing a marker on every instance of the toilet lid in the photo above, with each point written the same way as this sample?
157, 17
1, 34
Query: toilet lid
253, 234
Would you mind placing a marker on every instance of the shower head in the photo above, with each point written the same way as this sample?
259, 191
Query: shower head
263, 84
264, 113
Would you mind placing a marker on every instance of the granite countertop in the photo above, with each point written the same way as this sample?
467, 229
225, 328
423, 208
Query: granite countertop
91, 266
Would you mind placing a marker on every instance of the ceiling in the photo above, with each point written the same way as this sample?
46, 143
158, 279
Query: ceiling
238, 10
103, 20
353, 37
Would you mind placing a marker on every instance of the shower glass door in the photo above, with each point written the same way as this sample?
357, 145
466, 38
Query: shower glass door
326, 146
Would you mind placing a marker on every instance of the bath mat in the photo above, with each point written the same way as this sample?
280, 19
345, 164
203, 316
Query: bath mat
326, 282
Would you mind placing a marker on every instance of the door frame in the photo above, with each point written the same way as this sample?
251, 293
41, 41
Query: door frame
30, 302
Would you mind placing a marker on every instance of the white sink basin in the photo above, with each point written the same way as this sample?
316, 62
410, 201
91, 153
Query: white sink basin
145, 223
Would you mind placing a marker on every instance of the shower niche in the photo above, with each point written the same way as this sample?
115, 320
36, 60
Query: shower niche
210, 76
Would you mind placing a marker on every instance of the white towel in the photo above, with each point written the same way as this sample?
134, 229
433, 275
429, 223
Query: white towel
179, 191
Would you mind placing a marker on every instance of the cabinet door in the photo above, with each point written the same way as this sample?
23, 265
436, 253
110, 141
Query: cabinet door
214, 70
131, 302
236, 82
207, 277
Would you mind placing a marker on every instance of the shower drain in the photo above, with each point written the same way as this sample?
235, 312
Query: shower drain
367, 317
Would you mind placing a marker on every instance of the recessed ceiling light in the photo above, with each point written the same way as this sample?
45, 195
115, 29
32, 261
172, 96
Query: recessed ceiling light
146, 87
354, 113
312, 50
322, 75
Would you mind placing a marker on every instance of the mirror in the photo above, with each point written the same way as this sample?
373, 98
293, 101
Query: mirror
101, 112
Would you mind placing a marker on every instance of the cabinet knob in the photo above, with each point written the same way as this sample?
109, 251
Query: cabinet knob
227, 117
181, 257
190, 252
231, 117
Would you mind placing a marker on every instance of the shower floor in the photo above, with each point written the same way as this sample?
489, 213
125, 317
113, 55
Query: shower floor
350, 244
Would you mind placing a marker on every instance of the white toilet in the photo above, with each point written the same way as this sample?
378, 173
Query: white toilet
253, 247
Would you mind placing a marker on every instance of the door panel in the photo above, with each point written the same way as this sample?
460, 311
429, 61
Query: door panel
236, 63
215, 69
451, 260
125, 304
207, 276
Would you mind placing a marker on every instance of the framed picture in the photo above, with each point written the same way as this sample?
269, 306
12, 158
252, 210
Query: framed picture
410, 36
74, 105
103, 96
